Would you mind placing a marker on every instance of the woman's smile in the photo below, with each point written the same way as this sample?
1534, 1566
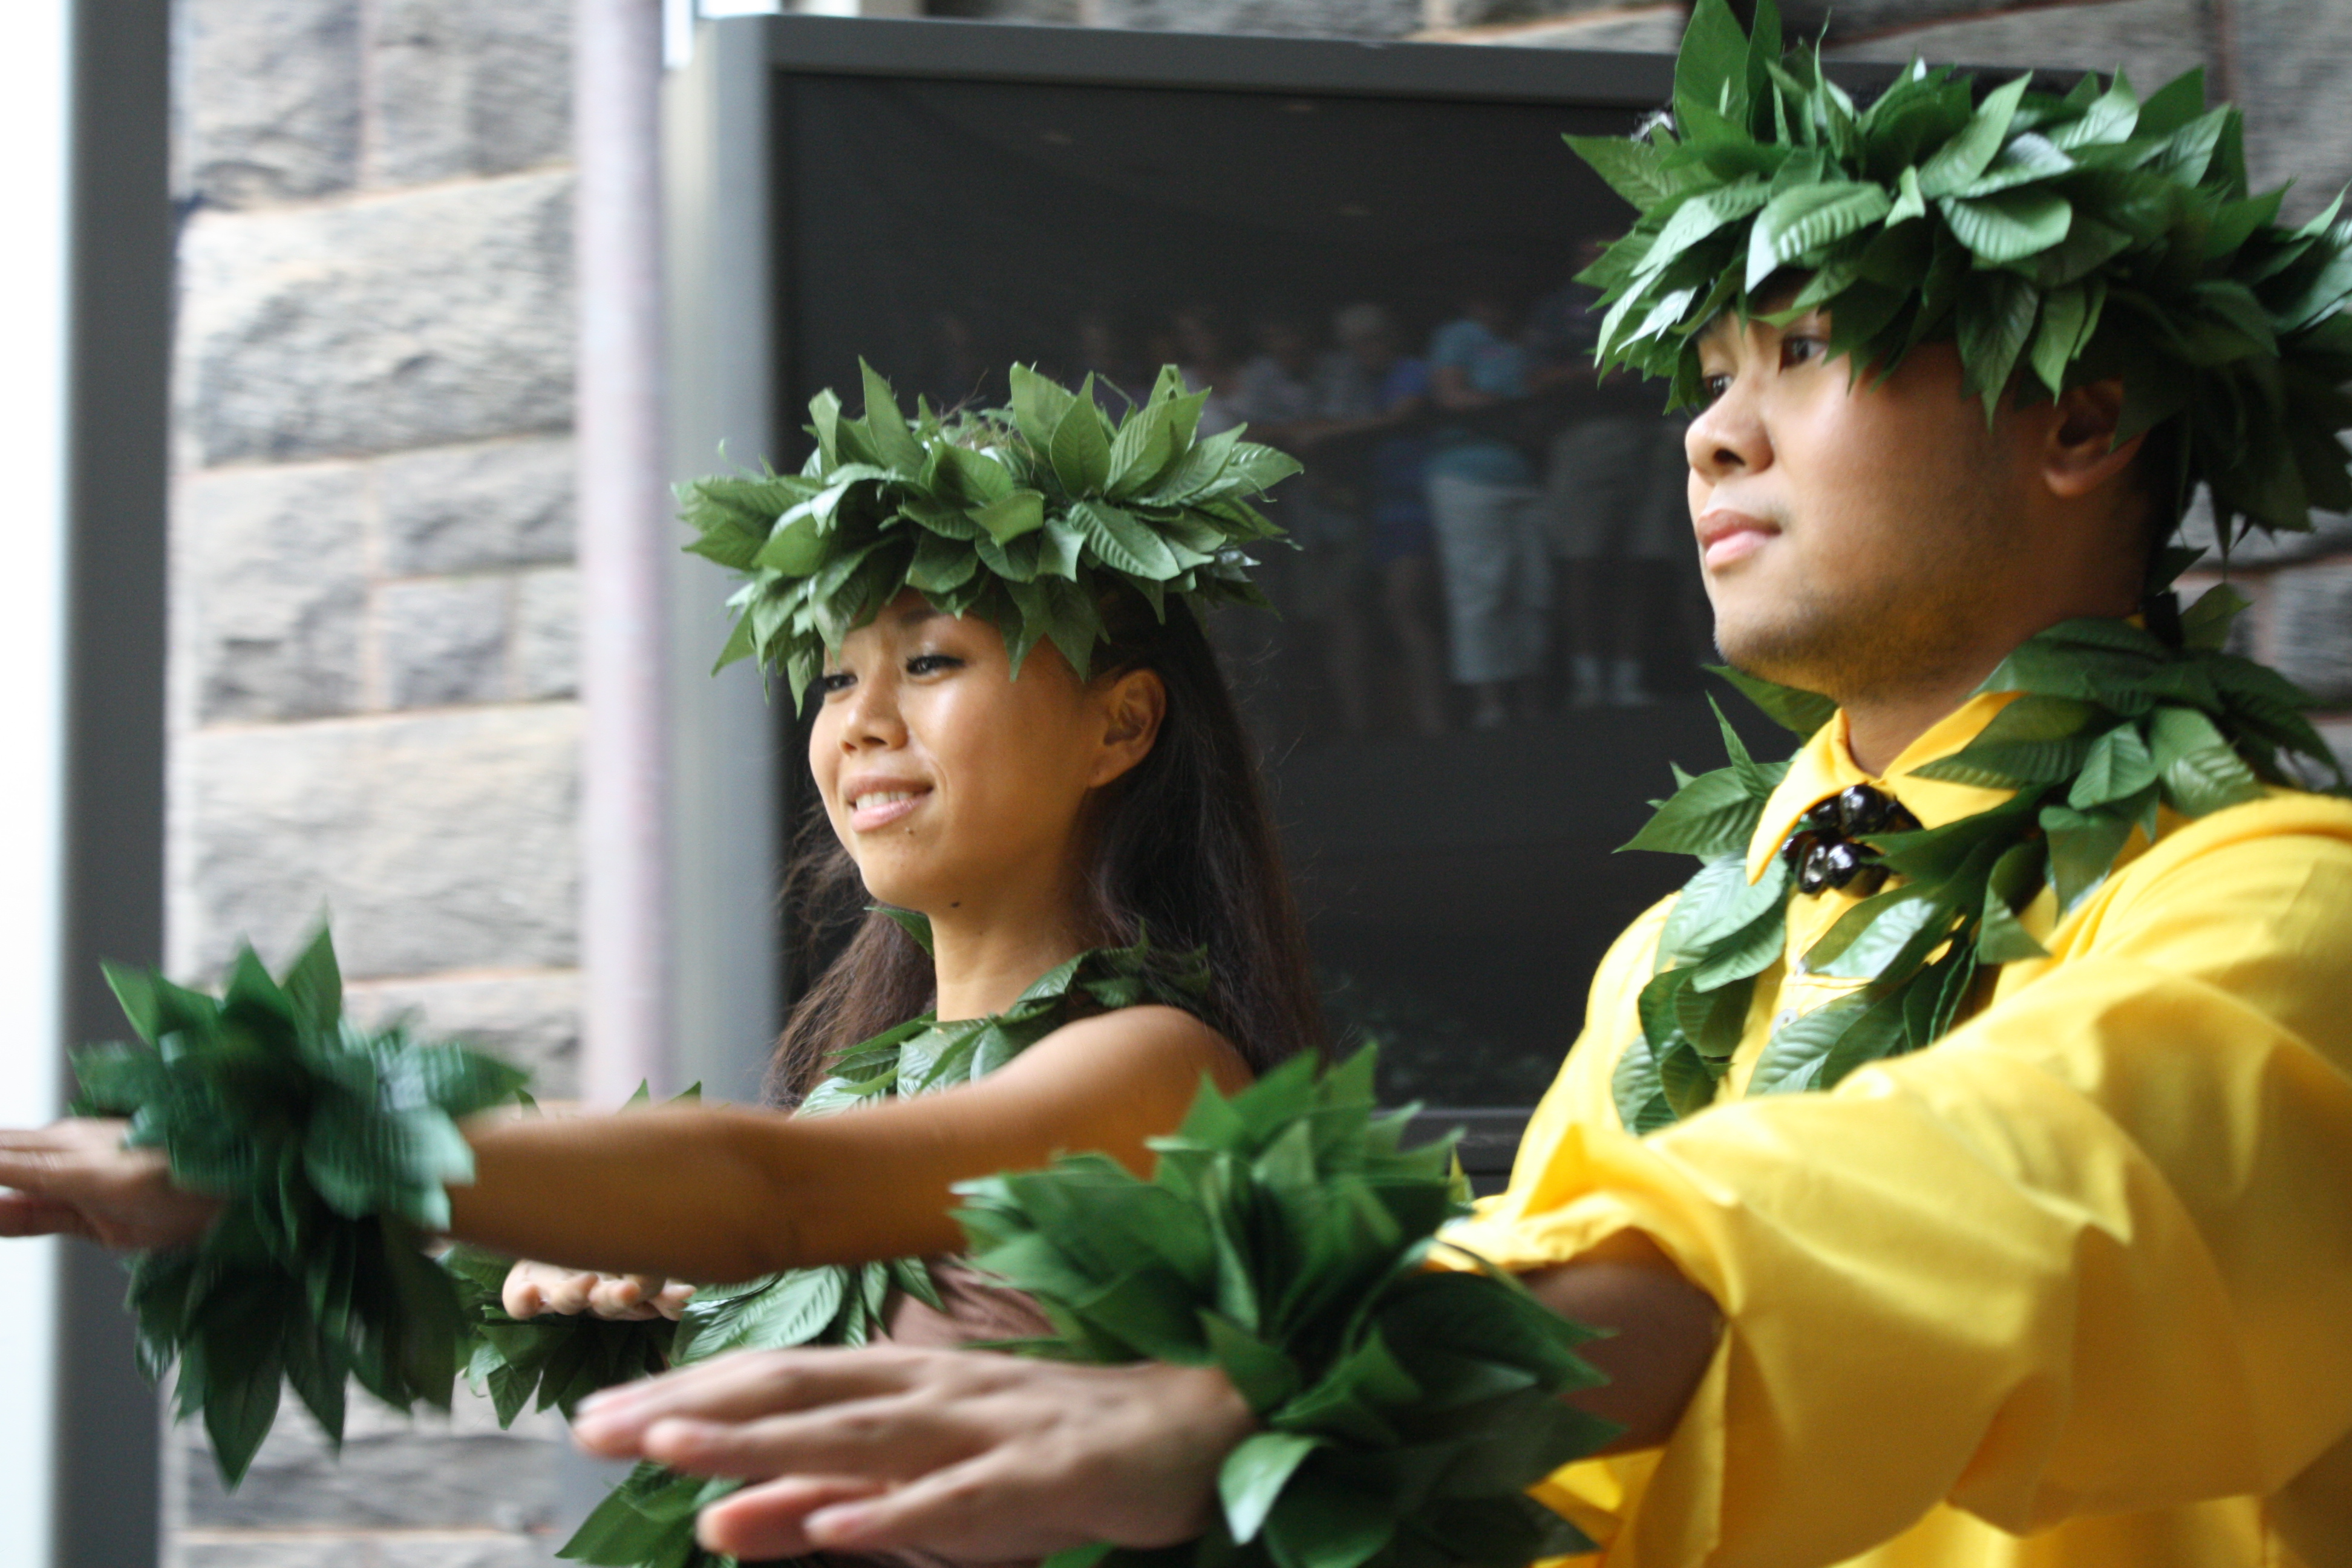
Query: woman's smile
877, 803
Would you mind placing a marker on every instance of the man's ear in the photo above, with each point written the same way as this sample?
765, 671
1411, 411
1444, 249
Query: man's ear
2080, 452
1132, 706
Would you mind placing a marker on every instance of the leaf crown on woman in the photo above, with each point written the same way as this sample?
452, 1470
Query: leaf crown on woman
1063, 525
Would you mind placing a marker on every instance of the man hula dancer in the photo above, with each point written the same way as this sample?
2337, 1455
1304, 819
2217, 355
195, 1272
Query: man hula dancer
1964, 1158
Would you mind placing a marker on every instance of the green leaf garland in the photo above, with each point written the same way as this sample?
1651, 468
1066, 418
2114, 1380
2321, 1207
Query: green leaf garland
2113, 721
2056, 240
1284, 1238
332, 1146
1026, 515
648, 1521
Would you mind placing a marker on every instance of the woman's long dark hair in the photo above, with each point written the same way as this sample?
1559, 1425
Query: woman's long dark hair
1182, 845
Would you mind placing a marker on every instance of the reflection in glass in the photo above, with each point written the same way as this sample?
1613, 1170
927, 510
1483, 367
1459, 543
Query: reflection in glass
1491, 626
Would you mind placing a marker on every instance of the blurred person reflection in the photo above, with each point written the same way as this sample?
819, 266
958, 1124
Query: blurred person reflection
1614, 515
1279, 395
1371, 389
1205, 356
1482, 500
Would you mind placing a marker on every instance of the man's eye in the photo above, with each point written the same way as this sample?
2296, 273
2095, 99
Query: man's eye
931, 663
834, 681
1800, 349
1714, 386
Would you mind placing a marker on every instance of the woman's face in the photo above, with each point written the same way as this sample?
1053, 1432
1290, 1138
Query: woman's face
952, 785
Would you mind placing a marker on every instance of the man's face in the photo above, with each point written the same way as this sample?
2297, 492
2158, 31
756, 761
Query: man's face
1848, 534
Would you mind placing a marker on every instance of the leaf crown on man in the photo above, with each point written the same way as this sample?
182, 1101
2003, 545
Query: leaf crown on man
2056, 240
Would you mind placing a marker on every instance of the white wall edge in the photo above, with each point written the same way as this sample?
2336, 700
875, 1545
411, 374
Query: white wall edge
35, 117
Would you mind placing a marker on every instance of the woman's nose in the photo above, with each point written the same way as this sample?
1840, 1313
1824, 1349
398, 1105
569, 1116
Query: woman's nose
873, 721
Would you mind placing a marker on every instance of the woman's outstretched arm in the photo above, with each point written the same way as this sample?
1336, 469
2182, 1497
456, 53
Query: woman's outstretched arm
718, 1194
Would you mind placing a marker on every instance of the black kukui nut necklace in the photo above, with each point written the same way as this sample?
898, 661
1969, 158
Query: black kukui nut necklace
1825, 851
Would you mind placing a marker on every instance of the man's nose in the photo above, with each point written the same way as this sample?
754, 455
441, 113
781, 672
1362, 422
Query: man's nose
1728, 437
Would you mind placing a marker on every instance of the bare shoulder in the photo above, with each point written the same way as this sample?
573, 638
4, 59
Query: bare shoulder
1148, 1035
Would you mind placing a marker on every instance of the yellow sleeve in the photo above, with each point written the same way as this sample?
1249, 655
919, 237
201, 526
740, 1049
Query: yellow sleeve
2090, 1253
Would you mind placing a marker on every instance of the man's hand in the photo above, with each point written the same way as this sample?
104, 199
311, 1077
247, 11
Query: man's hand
963, 1453
533, 1289
75, 1178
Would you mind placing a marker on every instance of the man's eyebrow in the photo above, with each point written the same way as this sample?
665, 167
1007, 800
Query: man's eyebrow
916, 614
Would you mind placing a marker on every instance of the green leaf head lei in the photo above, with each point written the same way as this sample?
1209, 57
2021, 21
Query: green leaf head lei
2055, 240
1029, 515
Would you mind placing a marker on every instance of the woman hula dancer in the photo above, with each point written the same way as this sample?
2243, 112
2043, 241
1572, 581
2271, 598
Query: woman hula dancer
1030, 761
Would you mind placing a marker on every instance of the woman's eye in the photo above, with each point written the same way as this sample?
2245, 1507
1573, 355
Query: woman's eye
1714, 386
931, 663
834, 681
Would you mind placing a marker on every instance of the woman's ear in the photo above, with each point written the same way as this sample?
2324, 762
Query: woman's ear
2081, 453
1132, 706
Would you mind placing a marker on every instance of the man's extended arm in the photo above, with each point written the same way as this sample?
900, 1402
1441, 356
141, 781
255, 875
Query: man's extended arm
978, 1456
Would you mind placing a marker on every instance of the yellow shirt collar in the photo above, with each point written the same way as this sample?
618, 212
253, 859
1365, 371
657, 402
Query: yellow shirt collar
1826, 766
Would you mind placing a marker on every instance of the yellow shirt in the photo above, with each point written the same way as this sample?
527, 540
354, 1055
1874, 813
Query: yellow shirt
2072, 1287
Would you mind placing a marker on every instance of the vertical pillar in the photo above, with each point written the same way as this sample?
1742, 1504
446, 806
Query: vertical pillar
624, 549
110, 903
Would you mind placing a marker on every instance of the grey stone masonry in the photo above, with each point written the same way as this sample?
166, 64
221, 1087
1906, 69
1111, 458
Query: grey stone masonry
465, 87
269, 99
2310, 631
469, 1475
2290, 60
1329, 18
2153, 40
440, 640
462, 509
530, 1017
377, 325
438, 841
278, 557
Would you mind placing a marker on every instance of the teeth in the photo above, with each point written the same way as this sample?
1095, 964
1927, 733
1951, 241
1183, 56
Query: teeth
887, 797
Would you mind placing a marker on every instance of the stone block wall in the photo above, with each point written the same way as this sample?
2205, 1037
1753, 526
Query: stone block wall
374, 622
374, 616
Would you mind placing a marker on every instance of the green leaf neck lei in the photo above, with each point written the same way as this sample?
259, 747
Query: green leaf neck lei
649, 1518
2112, 723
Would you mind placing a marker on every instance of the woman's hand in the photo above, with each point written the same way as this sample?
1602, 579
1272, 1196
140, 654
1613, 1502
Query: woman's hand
75, 1178
533, 1289
964, 1453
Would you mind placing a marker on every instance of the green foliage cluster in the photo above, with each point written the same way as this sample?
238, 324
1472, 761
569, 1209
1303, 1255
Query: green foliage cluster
1284, 1238
1027, 515
332, 1146
2114, 724
2056, 240
647, 1521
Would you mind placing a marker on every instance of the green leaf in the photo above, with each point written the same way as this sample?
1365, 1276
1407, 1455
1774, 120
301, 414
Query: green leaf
1080, 449
1966, 156
2116, 766
1798, 222
2197, 769
1012, 515
1254, 1475
1712, 816
1799, 711
1634, 169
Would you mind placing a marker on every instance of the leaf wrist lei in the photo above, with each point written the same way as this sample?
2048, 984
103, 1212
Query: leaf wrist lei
2113, 724
1284, 1238
2055, 240
332, 1146
1027, 515
649, 1518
